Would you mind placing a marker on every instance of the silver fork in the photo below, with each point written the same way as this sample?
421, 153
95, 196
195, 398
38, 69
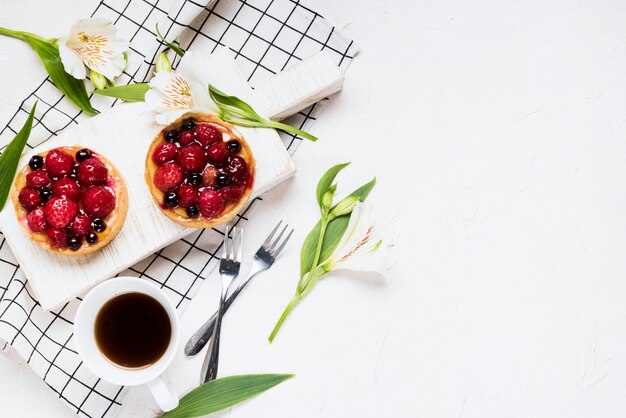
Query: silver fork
229, 269
263, 259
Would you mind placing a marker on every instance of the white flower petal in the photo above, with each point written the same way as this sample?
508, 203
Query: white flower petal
174, 93
361, 248
112, 68
94, 42
94, 25
72, 63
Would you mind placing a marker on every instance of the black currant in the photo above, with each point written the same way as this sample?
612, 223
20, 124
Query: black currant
193, 212
194, 179
45, 194
36, 162
222, 180
188, 124
234, 145
171, 199
82, 155
99, 225
171, 136
74, 243
91, 238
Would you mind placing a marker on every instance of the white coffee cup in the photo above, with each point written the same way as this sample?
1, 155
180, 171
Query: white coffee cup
93, 358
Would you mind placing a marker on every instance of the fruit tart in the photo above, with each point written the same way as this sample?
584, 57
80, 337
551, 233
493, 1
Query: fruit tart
70, 200
200, 170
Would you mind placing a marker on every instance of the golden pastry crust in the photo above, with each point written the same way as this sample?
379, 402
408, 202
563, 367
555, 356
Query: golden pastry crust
178, 214
114, 220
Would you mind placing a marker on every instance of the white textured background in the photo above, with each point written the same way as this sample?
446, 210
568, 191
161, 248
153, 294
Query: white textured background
497, 130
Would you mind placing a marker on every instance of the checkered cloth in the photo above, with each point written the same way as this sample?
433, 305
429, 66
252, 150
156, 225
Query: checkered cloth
265, 36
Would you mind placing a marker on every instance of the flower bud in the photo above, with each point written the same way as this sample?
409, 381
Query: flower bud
98, 80
344, 207
163, 63
327, 201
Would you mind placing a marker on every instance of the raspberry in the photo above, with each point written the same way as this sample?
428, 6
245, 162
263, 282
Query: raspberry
57, 237
209, 176
218, 153
58, 163
168, 177
37, 179
98, 202
164, 153
81, 224
29, 198
187, 195
231, 193
237, 168
211, 204
191, 158
66, 187
60, 211
186, 137
37, 220
207, 134
92, 172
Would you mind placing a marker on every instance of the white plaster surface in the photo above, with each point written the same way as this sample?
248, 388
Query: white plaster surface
496, 130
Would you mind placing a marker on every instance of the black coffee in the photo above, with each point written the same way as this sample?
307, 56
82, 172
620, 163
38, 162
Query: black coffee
133, 330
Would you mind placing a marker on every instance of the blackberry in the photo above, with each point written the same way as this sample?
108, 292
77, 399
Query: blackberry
171, 199
82, 155
171, 136
91, 238
99, 225
234, 145
193, 212
74, 243
188, 124
36, 162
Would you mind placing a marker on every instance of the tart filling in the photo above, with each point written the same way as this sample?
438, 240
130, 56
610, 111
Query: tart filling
200, 170
70, 200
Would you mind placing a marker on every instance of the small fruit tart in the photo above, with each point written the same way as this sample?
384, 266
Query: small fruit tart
200, 170
70, 200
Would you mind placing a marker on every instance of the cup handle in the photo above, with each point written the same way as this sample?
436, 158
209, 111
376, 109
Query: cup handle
165, 398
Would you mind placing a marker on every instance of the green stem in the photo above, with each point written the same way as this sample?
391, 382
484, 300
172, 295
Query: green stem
318, 252
269, 124
294, 301
292, 129
19, 34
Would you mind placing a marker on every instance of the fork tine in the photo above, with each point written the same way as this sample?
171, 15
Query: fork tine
233, 243
271, 235
277, 240
240, 252
280, 248
233, 248
225, 244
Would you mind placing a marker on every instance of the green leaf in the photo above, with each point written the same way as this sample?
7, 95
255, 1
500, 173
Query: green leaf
10, 158
174, 47
327, 180
364, 191
48, 52
234, 104
335, 230
130, 93
223, 393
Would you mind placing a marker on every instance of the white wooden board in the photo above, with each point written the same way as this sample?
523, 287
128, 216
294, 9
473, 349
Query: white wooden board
123, 134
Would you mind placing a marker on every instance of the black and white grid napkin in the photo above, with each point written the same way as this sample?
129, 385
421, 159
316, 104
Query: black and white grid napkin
265, 36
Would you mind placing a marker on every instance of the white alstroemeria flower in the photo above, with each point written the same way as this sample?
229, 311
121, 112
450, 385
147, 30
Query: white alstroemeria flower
174, 93
92, 43
362, 247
